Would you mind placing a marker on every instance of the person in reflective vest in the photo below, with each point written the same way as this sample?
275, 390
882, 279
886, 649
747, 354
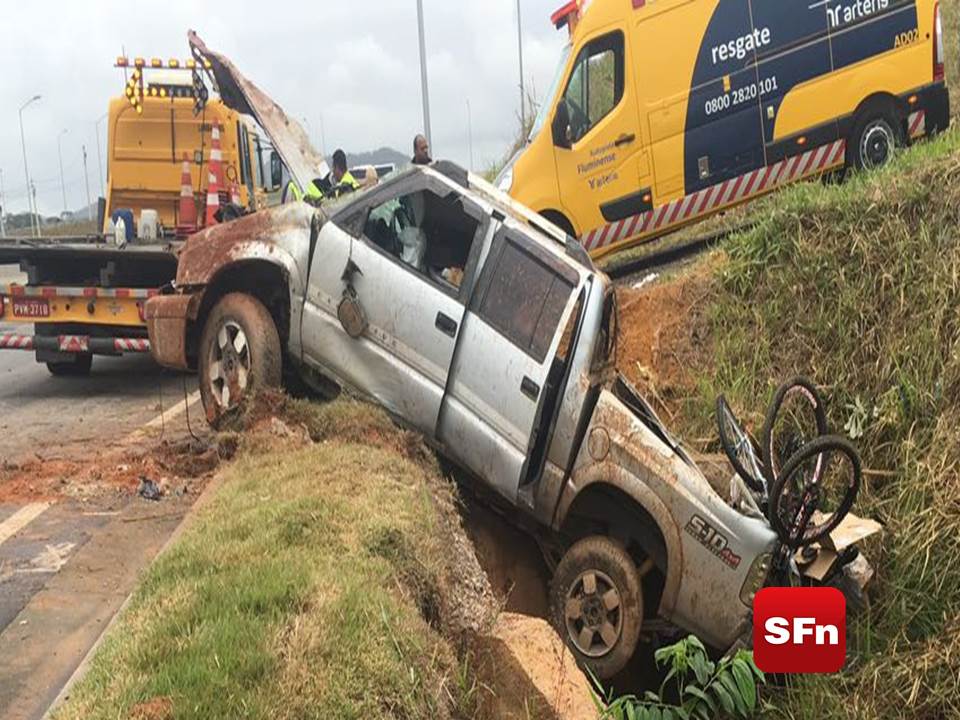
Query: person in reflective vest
343, 181
292, 193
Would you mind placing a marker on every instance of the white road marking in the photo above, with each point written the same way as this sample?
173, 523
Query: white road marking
51, 560
20, 519
172, 413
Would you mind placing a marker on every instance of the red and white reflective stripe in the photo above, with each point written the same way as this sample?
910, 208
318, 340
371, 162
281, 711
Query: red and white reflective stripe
74, 343
917, 122
11, 341
131, 345
76, 292
728, 192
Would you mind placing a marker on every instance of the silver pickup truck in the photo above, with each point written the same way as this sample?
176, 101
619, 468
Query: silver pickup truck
482, 326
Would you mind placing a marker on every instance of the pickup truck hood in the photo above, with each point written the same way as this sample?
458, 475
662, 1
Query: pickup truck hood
240, 94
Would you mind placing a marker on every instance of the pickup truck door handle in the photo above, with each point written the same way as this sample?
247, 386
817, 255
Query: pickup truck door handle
624, 140
529, 388
447, 325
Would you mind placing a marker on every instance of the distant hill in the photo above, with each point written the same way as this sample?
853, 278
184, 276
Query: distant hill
383, 156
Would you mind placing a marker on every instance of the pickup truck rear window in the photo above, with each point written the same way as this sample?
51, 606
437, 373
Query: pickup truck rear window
525, 299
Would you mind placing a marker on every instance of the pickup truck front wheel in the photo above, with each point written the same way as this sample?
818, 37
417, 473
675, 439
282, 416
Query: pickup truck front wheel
596, 604
239, 355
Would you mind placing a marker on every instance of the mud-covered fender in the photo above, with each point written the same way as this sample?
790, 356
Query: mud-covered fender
280, 236
631, 482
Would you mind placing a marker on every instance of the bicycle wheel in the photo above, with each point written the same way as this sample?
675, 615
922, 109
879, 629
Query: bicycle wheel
738, 446
815, 491
797, 416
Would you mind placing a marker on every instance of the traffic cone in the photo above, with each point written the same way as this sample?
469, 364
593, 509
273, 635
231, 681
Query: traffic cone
187, 216
215, 179
234, 194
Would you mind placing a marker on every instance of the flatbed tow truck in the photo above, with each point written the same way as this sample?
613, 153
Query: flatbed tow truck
85, 296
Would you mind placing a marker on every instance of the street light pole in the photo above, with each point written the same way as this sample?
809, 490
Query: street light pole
63, 185
26, 169
423, 76
86, 180
101, 178
470, 132
523, 98
3, 209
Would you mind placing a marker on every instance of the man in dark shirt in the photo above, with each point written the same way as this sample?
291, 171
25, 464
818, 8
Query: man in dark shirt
421, 151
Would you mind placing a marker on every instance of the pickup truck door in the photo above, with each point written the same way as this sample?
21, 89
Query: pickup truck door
505, 376
414, 318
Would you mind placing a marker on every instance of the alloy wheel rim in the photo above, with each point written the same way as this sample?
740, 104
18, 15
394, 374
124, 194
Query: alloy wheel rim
229, 374
594, 614
876, 145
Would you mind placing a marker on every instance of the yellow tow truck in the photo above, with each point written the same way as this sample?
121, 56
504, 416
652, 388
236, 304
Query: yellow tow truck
84, 296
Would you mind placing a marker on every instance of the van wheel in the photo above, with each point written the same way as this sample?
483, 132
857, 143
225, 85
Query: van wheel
78, 367
239, 355
596, 604
874, 140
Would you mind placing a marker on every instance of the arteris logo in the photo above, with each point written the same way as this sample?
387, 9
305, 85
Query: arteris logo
800, 630
713, 540
844, 12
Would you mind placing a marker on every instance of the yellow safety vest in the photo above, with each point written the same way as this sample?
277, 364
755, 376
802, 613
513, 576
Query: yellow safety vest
292, 193
349, 180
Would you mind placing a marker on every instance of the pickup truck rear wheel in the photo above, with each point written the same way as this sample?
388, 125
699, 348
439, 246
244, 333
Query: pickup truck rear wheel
239, 355
596, 604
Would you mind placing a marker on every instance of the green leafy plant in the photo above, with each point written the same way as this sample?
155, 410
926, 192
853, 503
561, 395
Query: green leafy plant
705, 689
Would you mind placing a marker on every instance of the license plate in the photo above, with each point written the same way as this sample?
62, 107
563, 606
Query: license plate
31, 307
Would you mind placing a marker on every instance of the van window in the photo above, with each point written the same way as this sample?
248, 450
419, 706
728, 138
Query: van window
525, 300
596, 84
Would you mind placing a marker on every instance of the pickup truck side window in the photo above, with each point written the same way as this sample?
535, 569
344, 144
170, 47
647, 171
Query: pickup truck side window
524, 298
429, 234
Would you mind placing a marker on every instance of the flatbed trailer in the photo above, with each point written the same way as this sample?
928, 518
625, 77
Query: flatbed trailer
83, 297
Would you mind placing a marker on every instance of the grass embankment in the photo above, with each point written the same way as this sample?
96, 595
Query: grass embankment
858, 287
318, 583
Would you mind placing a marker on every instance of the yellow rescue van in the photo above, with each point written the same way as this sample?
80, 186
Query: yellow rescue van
666, 111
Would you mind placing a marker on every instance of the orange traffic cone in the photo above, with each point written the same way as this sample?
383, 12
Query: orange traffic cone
187, 216
215, 180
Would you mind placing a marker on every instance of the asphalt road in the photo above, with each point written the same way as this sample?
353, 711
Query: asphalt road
68, 563
47, 416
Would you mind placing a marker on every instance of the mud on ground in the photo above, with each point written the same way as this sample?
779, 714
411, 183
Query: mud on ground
181, 467
664, 328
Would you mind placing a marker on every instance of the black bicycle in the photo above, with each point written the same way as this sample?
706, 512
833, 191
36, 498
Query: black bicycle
807, 480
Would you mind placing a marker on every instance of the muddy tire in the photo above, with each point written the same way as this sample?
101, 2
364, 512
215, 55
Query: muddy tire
596, 605
239, 355
78, 367
874, 138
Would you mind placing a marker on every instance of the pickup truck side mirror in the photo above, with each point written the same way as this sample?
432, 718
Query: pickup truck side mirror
561, 126
276, 170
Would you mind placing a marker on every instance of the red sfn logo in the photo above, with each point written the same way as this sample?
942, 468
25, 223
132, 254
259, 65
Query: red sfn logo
800, 630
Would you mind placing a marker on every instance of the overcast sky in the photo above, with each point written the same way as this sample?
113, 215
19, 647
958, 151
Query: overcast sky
355, 64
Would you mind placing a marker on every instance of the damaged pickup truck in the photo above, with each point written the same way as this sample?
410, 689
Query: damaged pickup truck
485, 328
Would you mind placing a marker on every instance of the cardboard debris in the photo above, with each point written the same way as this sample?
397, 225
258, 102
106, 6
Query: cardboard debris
852, 530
